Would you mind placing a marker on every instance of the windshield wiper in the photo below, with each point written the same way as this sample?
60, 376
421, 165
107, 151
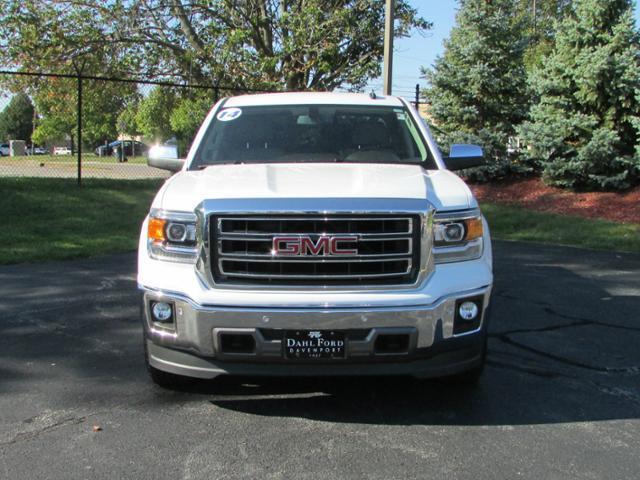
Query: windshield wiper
207, 165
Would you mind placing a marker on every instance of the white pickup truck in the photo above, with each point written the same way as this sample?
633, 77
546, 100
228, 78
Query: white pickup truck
312, 234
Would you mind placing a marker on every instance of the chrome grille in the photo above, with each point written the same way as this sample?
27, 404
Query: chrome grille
382, 249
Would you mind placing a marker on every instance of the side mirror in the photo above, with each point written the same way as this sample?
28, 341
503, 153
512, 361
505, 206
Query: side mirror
464, 156
165, 157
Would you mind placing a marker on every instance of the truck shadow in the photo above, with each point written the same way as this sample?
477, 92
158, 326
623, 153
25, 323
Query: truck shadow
563, 348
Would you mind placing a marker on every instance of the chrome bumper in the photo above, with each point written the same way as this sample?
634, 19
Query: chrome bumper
191, 346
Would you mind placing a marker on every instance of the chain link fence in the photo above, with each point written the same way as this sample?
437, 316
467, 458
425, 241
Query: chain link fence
75, 126
80, 126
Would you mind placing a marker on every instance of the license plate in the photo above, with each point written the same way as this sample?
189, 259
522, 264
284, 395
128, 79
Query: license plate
313, 344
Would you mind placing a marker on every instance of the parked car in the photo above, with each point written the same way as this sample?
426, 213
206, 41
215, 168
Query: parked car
315, 234
4, 150
61, 151
37, 151
131, 148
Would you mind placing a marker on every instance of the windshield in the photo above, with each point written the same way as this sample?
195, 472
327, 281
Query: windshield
312, 133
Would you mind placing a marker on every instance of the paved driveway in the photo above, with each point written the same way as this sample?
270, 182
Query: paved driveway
560, 398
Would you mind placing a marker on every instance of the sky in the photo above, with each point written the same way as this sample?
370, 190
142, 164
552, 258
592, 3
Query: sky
421, 50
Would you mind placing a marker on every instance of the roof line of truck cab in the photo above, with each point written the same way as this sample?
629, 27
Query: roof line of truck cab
314, 98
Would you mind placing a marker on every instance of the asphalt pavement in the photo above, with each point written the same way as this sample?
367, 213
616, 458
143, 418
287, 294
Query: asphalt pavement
560, 398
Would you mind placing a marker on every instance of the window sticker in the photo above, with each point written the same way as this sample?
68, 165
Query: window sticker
228, 114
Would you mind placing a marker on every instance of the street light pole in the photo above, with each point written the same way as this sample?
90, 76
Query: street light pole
389, 13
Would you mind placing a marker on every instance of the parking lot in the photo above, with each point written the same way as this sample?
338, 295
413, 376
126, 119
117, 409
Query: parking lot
560, 398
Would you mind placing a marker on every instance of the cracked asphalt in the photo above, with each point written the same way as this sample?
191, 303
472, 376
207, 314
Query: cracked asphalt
560, 398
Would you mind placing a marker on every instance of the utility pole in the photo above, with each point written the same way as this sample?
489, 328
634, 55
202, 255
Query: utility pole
389, 13
535, 18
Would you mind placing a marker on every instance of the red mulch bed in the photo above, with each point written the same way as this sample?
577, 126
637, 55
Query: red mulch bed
532, 193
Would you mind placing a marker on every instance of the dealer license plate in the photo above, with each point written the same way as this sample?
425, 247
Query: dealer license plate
313, 344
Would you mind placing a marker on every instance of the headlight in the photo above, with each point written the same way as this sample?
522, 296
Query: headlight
172, 235
457, 236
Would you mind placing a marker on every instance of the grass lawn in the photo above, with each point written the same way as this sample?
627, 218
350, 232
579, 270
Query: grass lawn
517, 223
53, 219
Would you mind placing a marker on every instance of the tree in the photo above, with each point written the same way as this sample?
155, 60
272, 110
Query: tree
478, 87
55, 99
539, 18
56, 102
127, 122
263, 44
153, 117
584, 129
101, 107
16, 120
188, 115
72, 43
169, 112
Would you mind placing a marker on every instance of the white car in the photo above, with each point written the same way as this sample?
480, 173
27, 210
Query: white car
314, 234
61, 151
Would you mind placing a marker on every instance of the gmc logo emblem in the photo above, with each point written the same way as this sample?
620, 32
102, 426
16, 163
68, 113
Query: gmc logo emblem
304, 245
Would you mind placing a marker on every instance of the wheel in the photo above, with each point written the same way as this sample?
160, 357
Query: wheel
169, 381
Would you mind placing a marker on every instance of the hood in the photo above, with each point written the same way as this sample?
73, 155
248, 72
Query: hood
186, 189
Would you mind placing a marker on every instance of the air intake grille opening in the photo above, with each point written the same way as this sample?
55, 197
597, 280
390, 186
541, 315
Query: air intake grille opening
237, 343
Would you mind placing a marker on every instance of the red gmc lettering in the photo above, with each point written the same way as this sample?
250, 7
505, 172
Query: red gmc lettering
335, 247
307, 247
286, 246
325, 246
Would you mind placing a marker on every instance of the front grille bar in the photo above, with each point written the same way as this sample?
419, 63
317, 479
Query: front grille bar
291, 276
407, 250
222, 232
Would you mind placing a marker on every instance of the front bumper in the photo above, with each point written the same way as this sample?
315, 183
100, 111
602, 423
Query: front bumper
191, 345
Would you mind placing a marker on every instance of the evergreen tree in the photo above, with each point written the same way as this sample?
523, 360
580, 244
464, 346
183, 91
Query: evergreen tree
584, 129
478, 87
539, 18
16, 121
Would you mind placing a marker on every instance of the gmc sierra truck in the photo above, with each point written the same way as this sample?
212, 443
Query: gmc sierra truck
312, 234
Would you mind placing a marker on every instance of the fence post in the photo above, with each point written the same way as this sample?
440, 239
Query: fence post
417, 96
79, 134
79, 67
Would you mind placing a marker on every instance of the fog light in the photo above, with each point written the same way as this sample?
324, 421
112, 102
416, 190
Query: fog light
468, 311
162, 312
